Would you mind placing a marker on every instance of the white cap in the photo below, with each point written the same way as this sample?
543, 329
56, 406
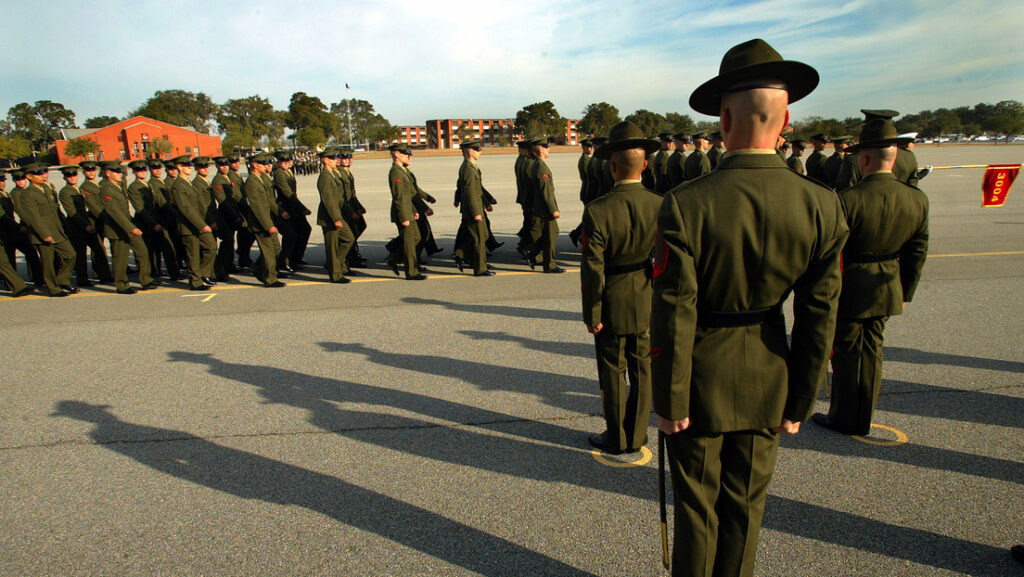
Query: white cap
908, 135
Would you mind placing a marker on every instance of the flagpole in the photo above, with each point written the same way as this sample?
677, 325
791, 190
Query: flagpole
348, 111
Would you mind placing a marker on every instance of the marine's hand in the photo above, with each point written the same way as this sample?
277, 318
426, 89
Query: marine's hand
788, 427
596, 329
669, 427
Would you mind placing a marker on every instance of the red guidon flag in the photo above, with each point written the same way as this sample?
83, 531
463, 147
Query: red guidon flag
997, 182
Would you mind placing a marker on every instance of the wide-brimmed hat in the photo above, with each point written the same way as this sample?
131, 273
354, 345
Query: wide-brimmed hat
753, 60
878, 133
624, 136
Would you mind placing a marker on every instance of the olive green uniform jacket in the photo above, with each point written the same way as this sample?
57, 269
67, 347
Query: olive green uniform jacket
229, 196
142, 199
403, 190
676, 169
78, 217
887, 218
191, 209
263, 207
117, 217
737, 240
40, 213
794, 163
696, 165
619, 230
815, 165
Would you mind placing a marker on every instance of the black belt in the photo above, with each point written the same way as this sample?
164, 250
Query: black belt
718, 319
625, 268
866, 258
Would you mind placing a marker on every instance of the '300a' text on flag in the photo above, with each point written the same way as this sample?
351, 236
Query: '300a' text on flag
997, 182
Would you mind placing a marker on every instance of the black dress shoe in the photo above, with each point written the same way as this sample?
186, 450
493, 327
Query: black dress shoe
557, 269
435, 250
342, 280
70, 290
27, 290
209, 281
485, 273
275, 284
202, 287
84, 284
417, 277
127, 291
459, 262
424, 269
285, 269
149, 286
393, 266
598, 442
823, 420
60, 294
223, 278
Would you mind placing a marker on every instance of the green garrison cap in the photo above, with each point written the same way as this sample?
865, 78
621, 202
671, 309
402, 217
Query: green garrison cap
155, 163
681, 137
840, 138
345, 152
282, 155
88, 165
181, 160
819, 136
328, 153
111, 165
171, 165
753, 64
202, 161
262, 158
17, 173
523, 143
797, 142
702, 134
665, 137
586, 142
221, 160
138, 165
716, 134
624, 136
474, 144
398, 146
878, 133
69, 170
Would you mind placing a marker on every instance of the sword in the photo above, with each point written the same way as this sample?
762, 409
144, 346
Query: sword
661, 491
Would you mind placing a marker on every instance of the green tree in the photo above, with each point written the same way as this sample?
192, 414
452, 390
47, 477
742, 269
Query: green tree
1006, 117
246, 122
101, 121
309, 118
14, 146
943, 122
678, 123
82, 147
540, 119
649, 122
40, 123
598, 119
367, 125
194, 110
161, 147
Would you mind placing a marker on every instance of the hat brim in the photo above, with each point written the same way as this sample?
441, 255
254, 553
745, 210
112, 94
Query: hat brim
886, 142
800, 79
649, 146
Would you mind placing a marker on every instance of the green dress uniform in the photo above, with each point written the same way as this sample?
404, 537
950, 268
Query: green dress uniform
224, 256
661, 178
619, 230
168, 215
815, 166
676, 169
231, 214
696, 165
10, 276
263, 212
599, 179
117, 227
795, 164
581, 167
419, 202
295, 236
200, 247
830, 169
882, 264
337, 241
146, 203
352, 213
544, 230
13, 238
39, 211
245, 237
470, 190
403, 191
714, 155
83, 241
734, 245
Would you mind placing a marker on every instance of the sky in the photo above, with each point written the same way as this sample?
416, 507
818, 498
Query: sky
437, 59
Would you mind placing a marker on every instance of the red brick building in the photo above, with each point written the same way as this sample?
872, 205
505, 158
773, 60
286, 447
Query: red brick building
414, 136
493, 132
133, 139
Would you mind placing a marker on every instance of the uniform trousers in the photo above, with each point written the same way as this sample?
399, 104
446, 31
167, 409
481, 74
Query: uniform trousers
14, 282
337, 243
161, 245
57, 261
266, 265
302, 231
720, 485
225, 257
856, 373
410, 236
200, 250
24, 246
287, 241
627, 405
543, 234
121, 250
244, 246
471, 244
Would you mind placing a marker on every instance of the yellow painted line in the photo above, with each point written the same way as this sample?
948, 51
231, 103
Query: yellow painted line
227, 287
645, 457
901, 437
1006, 253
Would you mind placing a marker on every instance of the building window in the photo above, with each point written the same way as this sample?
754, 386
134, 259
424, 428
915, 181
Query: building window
188, 150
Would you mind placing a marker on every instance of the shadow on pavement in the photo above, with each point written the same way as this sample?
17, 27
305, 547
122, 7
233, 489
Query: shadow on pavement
502, 311
905, 355
556, 347
252, 476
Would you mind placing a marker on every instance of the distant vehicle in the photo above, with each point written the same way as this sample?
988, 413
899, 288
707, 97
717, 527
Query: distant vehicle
981, 138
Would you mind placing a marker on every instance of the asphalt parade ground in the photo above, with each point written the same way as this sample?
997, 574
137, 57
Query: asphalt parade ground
389, 428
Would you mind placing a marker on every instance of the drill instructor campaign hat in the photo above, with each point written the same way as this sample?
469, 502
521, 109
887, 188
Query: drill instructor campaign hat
753, 60
624, 136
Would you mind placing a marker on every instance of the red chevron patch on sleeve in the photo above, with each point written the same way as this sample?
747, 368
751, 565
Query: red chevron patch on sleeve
660, 256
